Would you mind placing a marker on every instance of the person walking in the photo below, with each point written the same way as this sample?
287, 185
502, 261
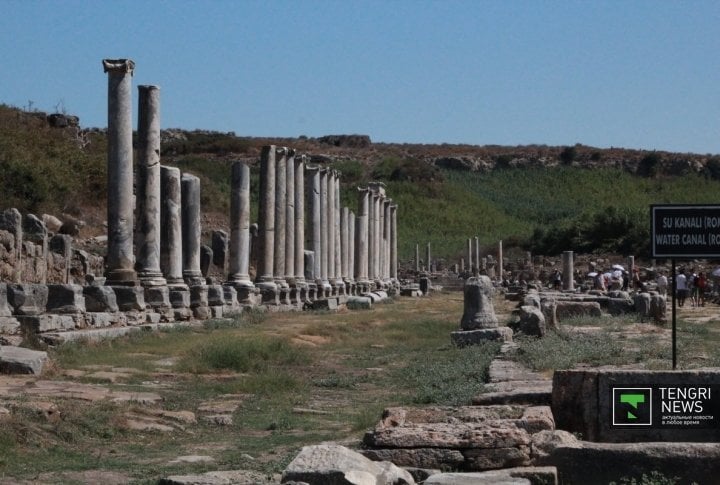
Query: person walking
681, 287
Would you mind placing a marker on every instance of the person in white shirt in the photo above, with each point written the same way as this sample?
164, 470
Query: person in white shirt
662, 283
681, 288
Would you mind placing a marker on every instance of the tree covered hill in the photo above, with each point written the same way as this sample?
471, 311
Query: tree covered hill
544, 199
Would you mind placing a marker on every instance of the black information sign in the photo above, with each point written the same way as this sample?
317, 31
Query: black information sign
685, 231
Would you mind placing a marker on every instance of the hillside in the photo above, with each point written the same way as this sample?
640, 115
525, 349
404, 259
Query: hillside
541, 198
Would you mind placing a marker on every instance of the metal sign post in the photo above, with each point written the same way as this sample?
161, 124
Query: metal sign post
683, 231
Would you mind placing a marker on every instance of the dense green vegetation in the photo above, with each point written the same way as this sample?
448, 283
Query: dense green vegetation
545, 210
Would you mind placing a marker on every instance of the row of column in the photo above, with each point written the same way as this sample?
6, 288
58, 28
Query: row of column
168, 235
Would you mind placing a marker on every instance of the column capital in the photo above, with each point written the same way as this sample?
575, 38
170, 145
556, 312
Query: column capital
281, 150
148, 87
123, 66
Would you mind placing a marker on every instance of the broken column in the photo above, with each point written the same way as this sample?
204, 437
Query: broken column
479, 322
148, 188
191, 230
120, 259
239, 271
171, 252
568, 271
266, 226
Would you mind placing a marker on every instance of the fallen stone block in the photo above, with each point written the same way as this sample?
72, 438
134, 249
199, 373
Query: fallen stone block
463, 338
449, 435
325, 304
359, 303
528, 320
9, 325
417, 457
534, 475
17, 360
333, 464
620, 306
240, 477
573, 309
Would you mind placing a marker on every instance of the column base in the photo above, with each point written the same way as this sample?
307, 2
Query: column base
193, 278
151, 278
121, 277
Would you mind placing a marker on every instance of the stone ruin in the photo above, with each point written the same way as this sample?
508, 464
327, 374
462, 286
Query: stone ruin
310, 252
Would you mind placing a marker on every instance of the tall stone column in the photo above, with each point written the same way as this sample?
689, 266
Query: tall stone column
324, 231
280, 212
338, 283
381, 240
371, 235
345, 243
299, 207
171, 255
470, 253
266, 221
191, 230
351, 246
315, 228
427, 258
417, 258
290, 219
500, 261
386, 239
239, 271
361, 238
120, 258
377, 203
477, 253
568, 271
148, 188
393, 243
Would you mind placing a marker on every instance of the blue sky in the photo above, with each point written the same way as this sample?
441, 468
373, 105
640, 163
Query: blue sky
633, 74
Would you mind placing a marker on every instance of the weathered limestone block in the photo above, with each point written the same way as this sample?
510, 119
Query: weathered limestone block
34, 229
463, 338
130, 298
359, 303
100, 299
532, 299
99, 319
570, 309
478, 459
61, 244
642, 304
509, 476
65, 299
30, 299
339, 465
9, 326
620, 306
158, 298
418, 457
199, 302
216, 295
17, 360
47, 322
448, 435
543, 443
528, 320
549, 310
478, 309
231, 298
5, 310
658, 308
330, 303
52, 223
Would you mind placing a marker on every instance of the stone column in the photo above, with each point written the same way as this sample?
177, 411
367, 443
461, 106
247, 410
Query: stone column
315, 229
280, 212
386, 240
393, 243
381, 239
266, 221
148, 188
500, 261
171, 255
378, 238
299, 207
361, 238
120, 260
372, 255
427, 257
345, 243
239, 270
339, 283
191, 230
324, 232
351, 247
417, 258
470, 253
568, 271
477, 253
290, 219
